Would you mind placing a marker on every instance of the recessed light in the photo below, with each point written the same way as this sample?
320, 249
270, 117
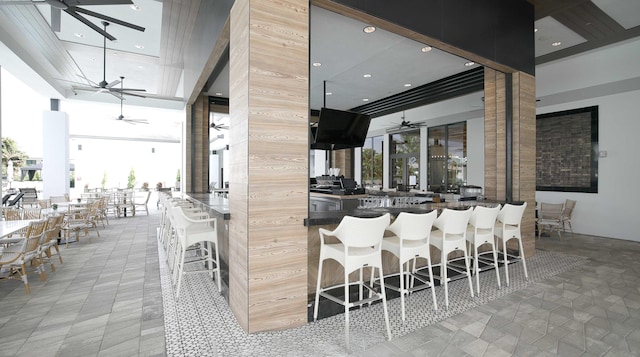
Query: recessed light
139, 47
367, 75
328, 93
426, 49
469, 64
135, 7
78, 35
535, 30
140, 67
365, 99
556, 44
218, 93
317, 64
407, 84
369, 29
91, 59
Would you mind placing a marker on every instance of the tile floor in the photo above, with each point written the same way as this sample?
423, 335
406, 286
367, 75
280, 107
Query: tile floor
111, 297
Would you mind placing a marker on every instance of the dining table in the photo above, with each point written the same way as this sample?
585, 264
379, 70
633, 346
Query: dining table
7, 228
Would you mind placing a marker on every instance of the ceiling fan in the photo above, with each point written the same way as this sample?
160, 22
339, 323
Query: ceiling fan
404, 125
122, 117
109, 87
218, 126
71, 8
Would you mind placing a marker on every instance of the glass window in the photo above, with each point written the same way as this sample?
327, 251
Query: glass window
372, 161
447, 164
405, 160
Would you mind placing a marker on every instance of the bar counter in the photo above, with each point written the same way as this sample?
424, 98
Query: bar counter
219, 207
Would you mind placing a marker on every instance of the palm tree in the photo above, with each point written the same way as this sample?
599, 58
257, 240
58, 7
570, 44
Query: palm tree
10, 152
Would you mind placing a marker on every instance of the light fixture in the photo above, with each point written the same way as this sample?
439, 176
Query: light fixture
218, 93
317, 64
135, 7
407, 84
367, 75
78, 35
139, 47
469, 64
426, 49
556, 44
535, 30
91, 59
140, 67
328, 93
365, 99
369, 29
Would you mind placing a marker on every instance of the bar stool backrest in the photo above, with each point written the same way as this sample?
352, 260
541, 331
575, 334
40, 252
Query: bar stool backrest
453, 221
511, 215
413, 226
362, 232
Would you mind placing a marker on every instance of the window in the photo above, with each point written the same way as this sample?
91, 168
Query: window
447, 164
372, 161
405, 160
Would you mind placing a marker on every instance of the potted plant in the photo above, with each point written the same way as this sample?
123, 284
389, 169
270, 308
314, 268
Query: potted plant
131, 180
145, 186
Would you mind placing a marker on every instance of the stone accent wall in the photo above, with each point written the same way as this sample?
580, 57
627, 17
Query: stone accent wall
564, 150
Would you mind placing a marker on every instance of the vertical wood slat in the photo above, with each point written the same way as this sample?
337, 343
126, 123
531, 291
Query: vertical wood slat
197, 161
269, 158
238, 149
490, 151
525, 142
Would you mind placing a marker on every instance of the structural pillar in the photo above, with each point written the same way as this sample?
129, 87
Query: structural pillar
510, 144
196, 179
55, 152
269, 163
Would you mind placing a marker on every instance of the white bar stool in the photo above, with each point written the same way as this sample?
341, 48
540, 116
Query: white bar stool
360, 241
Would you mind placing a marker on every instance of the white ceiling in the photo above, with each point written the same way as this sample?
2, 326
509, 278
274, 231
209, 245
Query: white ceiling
338, 43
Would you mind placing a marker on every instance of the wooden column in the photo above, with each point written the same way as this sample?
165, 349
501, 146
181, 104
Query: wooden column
269, 110
196, 177
343, 159
510, 144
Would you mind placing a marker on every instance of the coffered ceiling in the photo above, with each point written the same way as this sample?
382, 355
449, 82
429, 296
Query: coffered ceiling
153, 59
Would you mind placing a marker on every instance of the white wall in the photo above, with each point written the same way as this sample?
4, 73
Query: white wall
612, 212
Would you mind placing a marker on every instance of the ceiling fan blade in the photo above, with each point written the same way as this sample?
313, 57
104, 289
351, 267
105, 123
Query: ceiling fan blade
109, 19
132, 94
117, 95
129, 89
117, 81
95, 28
101, 2
55, 19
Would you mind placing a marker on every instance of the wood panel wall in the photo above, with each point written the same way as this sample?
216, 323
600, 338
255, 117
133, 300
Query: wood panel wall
343, 160
524, 147
196, 177
269, 76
